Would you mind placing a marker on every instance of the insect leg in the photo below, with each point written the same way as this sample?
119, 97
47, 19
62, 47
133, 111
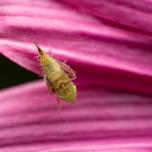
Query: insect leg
59, 105
71, 73
52, 91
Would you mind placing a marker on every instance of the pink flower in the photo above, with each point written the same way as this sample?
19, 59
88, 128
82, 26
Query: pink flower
108, 43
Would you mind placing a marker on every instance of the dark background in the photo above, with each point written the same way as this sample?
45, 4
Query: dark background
12, 74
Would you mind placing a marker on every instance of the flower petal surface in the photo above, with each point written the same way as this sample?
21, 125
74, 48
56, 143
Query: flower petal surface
101, 120
132, 15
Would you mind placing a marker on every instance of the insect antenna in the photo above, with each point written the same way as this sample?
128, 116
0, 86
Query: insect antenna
39, 49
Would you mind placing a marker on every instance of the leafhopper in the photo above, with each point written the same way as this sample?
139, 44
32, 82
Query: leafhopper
58, 76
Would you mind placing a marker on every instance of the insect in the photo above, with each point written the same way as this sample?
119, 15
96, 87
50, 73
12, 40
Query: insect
58, 77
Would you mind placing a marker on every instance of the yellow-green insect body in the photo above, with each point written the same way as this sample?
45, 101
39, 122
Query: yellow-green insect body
58, 78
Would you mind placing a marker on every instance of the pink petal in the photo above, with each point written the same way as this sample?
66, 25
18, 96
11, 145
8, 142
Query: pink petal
132, 15
100, 120
118, 58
